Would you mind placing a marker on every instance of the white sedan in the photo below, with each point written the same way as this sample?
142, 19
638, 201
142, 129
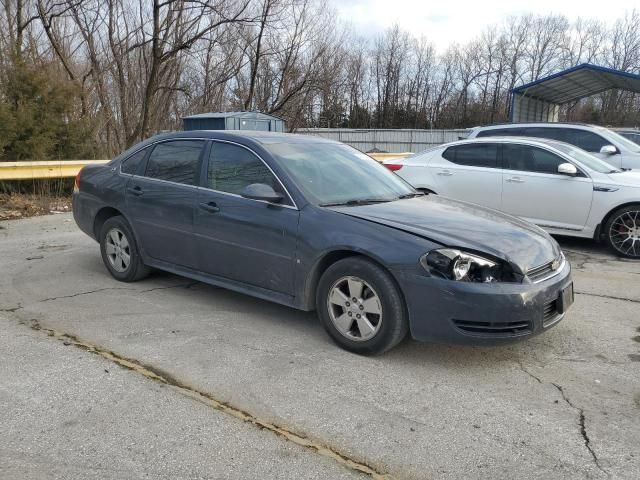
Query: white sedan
554, 185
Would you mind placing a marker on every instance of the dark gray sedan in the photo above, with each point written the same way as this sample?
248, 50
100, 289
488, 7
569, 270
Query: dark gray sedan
314, 224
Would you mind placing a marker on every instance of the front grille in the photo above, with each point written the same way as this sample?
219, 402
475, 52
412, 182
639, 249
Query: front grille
550, 313
540, 272
493, 329
543, 272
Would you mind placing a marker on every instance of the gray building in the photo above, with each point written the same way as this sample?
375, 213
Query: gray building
234, 121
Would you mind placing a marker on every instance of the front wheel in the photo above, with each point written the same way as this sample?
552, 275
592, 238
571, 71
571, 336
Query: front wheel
622, 231
361, 307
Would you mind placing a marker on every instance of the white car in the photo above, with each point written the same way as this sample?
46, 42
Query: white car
554, 185
630, 134
603, 143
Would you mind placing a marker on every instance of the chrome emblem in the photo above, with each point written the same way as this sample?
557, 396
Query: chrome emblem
555, 265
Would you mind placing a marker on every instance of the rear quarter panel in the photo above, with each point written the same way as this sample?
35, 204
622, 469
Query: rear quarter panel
416, 171
100, 186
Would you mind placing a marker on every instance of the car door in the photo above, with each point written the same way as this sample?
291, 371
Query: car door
469, 172
161, 201
240, 239
534, 190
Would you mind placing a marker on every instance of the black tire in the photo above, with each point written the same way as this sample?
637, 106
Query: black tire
623, 220
135, 269
426, 191
393, 319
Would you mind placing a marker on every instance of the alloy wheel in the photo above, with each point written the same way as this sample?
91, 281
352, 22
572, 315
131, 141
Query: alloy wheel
118, 250
625, 233
355, 308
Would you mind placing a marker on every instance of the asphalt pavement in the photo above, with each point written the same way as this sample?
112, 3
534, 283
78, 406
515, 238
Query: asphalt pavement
170, 378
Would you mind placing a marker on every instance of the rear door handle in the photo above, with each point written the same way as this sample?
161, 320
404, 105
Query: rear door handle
515, 180
445, 173
210, 207
135, 191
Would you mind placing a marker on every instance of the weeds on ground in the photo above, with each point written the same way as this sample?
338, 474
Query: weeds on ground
21, 205
28, 198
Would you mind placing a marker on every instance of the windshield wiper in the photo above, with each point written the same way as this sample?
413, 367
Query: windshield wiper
362, 201
411, 195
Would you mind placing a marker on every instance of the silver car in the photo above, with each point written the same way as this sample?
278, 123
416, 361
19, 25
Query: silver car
554, 185
605, 144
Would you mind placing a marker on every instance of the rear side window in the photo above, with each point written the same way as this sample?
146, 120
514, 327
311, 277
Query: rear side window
131, 164
232, 168
589, 141
526, 158
499, 132
474, 155
175, 161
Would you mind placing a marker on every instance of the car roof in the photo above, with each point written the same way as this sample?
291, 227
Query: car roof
255, 136
537, 124
547, 142
247, 137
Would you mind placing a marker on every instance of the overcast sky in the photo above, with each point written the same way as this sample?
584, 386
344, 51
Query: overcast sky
444, 22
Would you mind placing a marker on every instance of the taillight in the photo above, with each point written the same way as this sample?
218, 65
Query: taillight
76, 185
394, 167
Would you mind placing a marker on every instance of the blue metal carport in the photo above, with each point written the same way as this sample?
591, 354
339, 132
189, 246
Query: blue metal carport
540, 101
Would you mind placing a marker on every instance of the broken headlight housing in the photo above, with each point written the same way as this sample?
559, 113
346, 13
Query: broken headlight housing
454, 264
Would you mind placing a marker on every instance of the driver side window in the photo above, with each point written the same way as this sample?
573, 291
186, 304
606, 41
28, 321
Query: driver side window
231, 168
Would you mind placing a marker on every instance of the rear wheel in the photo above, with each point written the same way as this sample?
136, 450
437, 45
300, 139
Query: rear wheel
361, 307
622, 231
119, 251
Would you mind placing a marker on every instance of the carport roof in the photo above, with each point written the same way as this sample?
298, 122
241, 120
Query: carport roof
578, 82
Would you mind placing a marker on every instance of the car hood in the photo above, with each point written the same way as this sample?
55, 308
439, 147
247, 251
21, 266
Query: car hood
630, 178
463, 225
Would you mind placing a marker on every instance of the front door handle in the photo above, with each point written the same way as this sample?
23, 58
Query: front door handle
210, 207
137, 191
445, 173
515, 180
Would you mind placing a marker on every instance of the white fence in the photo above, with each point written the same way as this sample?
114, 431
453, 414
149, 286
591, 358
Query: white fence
392, 141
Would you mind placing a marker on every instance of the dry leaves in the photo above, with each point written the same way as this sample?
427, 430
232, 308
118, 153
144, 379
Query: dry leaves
13, 206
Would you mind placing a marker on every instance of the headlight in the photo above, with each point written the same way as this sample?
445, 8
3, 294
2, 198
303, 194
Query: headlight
457, 265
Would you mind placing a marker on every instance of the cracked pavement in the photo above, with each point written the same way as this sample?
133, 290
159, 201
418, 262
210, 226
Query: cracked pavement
565, 404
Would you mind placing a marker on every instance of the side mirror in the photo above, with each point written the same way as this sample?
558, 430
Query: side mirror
608, 150
261, 191
567, 169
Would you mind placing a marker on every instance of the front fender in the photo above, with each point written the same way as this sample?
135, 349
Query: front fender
327, 236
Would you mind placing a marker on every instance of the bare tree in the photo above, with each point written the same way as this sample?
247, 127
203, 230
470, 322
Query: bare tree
138, 66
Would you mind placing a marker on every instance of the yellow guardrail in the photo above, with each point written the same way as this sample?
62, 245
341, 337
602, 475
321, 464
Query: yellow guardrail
43, 170
381, 157
69, 168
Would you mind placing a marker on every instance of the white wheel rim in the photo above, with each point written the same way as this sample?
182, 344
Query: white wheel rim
625, 233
